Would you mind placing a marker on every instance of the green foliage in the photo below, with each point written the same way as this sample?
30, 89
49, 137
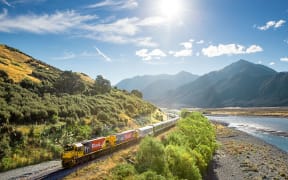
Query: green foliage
197, 135
69, 82
181, 163
101, 85
150, 175
137, 93
123, 171
151, 156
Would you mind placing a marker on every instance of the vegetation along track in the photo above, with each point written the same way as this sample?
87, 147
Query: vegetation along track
100, 155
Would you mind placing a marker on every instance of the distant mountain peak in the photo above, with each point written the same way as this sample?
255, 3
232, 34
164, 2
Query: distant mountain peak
243, 66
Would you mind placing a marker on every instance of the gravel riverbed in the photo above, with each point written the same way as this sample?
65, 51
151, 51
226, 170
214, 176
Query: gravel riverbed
242, 156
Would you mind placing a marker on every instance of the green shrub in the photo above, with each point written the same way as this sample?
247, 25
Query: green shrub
123, 171
150, 156
150, 175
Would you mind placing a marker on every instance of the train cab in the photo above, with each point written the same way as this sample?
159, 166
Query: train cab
71, 153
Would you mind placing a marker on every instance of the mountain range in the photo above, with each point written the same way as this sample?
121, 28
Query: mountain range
241, 84
153, 86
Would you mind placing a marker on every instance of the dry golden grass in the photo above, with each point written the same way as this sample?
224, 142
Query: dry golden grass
86, 78
16, 65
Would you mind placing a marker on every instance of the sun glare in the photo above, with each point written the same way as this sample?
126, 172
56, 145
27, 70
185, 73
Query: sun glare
170, 8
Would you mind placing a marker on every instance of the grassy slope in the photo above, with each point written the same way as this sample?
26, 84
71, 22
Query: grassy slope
74, 117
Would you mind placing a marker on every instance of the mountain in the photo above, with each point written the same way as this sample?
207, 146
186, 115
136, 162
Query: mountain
239, 84
153, 86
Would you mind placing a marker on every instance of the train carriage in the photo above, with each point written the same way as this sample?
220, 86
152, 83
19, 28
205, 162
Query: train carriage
158, 127
126, 136
143, 131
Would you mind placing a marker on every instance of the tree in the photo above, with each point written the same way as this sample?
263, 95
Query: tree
181, 163
137, 93
70, 83
151, 156
101, 85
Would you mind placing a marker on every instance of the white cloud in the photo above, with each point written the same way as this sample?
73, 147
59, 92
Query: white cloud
187, 51
124, 26
272, 63
253, 49
145, 41
183, 53
279, 23
284, 59
147, 56
187, 45
47, 23
272, 24
106, 58
120, 4
229, 49
123, 31
66, 56
200, 42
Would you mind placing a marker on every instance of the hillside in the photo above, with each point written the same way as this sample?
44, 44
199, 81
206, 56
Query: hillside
153, 86
42, 108
19, 66
239, 84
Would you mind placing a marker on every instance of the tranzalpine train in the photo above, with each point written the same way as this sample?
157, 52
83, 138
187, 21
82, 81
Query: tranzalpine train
80, 152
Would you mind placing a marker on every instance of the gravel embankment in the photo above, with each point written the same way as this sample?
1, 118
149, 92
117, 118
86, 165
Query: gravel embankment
31, 172
241, 156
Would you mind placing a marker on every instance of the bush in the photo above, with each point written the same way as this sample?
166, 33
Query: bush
150, 175
123, 171
150, 156
181, 164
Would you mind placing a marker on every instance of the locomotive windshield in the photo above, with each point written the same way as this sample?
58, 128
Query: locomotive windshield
68, 147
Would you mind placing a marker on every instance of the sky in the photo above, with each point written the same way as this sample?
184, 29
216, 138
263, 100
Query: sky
124, 38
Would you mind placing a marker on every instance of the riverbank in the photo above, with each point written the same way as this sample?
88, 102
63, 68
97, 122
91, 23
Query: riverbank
241, 156
249, 111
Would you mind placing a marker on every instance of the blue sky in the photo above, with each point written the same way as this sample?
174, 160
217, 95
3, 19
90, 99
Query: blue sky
125, 38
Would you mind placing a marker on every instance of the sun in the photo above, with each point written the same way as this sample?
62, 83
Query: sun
170, 8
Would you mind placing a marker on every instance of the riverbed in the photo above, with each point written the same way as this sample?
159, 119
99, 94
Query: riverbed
273, 130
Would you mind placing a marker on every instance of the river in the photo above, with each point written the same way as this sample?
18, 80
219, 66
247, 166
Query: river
273, 130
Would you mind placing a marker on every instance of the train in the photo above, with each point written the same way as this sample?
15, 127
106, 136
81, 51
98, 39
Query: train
84, 151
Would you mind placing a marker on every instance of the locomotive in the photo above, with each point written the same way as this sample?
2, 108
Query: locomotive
80, 152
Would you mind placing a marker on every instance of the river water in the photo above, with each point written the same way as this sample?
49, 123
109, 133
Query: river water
272, 130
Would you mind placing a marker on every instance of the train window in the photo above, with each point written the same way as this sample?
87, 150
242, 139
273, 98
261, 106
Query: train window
68, 148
